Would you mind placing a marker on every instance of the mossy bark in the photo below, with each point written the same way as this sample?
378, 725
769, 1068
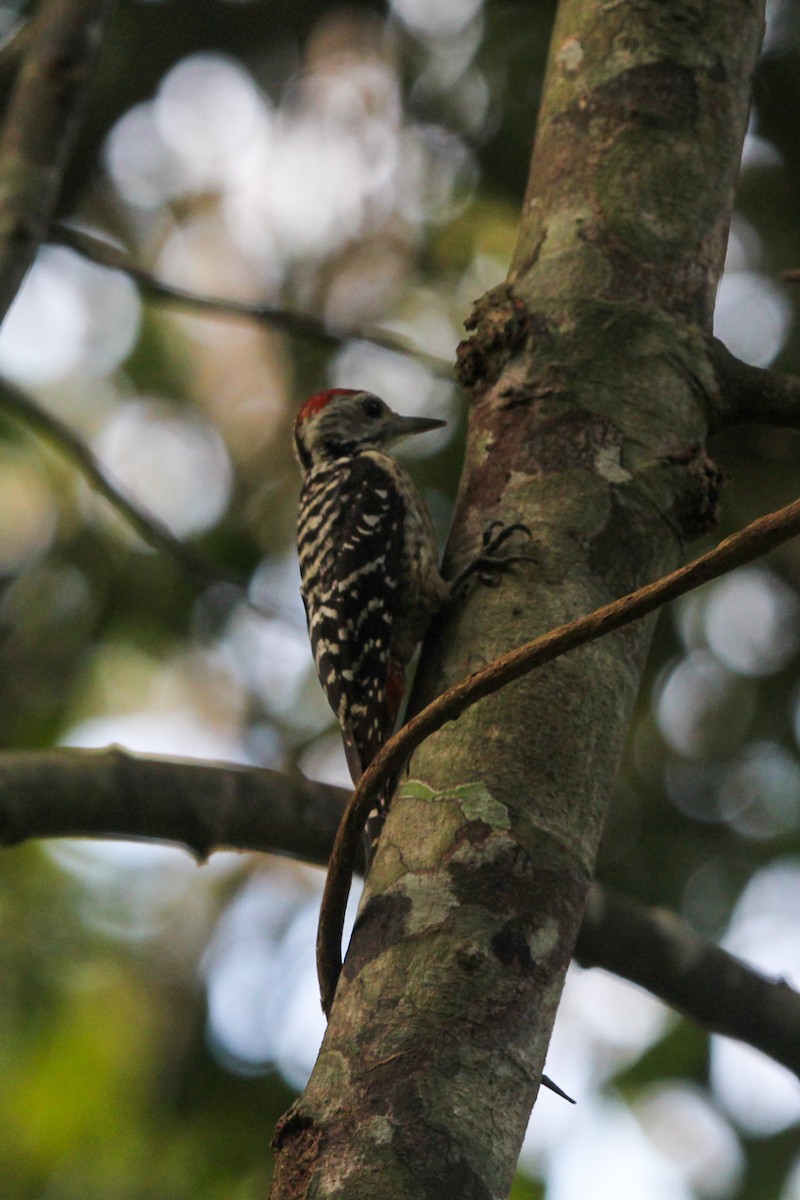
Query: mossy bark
591, 399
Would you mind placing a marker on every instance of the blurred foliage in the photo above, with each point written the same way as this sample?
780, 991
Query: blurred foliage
366, 166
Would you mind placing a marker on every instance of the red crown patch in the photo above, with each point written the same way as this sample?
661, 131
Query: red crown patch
320, 400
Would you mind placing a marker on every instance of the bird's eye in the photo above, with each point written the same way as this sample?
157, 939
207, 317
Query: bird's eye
372, 407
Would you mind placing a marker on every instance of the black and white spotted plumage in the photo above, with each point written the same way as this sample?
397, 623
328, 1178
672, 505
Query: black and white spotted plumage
368, 561
350, 546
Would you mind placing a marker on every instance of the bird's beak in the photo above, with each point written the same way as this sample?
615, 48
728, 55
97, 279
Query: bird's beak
403, 427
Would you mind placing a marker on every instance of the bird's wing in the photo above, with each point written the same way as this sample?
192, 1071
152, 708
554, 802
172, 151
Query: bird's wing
350, 581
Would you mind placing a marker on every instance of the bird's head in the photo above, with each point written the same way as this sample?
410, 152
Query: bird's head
343, 422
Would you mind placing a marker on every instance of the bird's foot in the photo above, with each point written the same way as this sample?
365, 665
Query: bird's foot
488, 566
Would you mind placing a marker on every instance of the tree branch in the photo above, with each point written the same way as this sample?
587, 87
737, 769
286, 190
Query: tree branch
204, 807
200, 806
25, 409
41, 121
297, 324
748, 393
653, 948
740, 548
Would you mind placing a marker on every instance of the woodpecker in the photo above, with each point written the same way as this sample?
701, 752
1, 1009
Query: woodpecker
369, 561
369, 564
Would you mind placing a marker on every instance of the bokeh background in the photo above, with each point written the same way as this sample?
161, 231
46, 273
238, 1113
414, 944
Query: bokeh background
364, 163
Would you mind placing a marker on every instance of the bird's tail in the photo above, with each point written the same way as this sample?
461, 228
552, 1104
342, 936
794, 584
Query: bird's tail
363, 735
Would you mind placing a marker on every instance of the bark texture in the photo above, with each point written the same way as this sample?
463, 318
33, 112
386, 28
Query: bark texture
592, 391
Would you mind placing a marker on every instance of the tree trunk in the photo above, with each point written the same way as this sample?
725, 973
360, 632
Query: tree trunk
591, 393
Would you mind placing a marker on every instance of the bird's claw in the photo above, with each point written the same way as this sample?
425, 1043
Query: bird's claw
487, 566
493, 541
